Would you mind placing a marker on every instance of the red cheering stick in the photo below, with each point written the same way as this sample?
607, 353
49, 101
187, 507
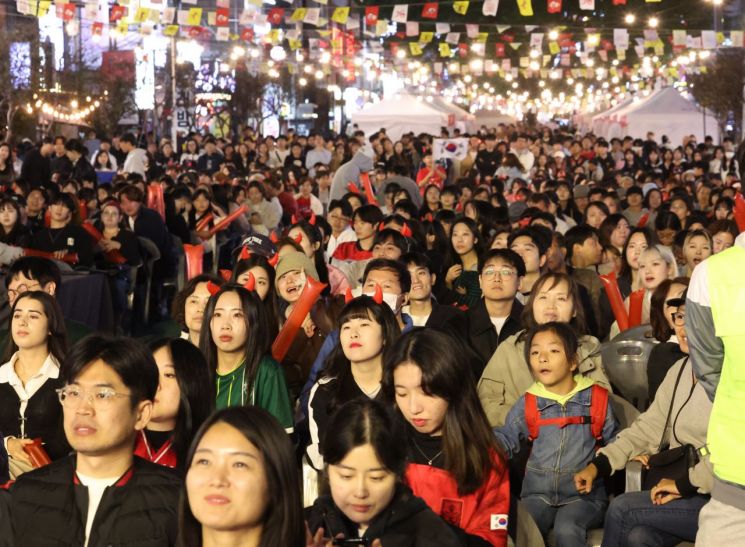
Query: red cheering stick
224, 223
369, 192
300, 310
610, 283
643, 220
37, 454
212, 288
636, 301
739, 212
352, 187
115, 257
83, 208
204, 222
70, 258
194, 255
312, 219
155, 199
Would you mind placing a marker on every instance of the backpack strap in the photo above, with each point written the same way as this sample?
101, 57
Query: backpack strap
598, 411
532, 416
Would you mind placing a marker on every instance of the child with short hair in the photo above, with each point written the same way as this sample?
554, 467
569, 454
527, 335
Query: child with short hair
564, 417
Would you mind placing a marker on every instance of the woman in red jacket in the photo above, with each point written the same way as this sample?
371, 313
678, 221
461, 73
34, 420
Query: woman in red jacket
454, 463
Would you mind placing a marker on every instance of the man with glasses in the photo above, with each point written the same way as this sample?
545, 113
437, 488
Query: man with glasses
340, 218
102, 494
497, 314
32, 273
716, 337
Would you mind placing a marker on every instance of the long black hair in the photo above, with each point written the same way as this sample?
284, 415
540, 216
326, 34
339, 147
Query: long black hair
257, 337
552, 280
178, 306
452, 256
270, 300
196, 399
57, 337
282, 523
467, 439
337, 364
365, 421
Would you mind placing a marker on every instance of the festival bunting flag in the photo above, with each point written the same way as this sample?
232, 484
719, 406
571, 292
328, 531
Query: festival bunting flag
430, 10
195, 16
222, 16
525, 7
371, 15
400, 13
341, 15
553, 6
490, 7
460, 7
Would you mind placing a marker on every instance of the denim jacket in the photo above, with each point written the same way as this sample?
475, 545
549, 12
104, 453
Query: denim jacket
558, 453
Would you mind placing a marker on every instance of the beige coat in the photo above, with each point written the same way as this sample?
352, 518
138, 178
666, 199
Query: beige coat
507, 376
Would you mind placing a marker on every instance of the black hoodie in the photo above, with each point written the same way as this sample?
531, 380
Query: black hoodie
407, 521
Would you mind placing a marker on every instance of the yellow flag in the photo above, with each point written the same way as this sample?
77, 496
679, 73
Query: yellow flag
340, 15
299, 14
621, 54
426, 37
460, 7
142, 15
194, 17
481, 37
295, 44
525, 7
720, 37
444, 49
44, 7
273, 36
553, 48
170, 30
122, 27
415, 48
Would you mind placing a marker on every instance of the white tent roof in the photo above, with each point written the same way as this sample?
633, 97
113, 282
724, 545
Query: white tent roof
489, 118
449, 108
667, 112
400, 115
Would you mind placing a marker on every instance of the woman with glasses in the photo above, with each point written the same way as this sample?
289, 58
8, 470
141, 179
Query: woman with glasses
666, 512
29, 408
555, 297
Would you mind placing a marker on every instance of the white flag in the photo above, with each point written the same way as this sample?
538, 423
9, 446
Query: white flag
490, 7
455, 149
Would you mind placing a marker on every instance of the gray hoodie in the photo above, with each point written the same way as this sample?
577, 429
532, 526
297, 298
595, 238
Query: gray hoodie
350, 172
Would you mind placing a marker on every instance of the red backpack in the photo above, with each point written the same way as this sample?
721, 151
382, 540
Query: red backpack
596, 419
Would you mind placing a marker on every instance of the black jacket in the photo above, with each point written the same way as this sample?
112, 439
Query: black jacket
36, 169
49, 507
483, 337
72, 238
406, 522
149, 224
450, 319
83, 170
43, 417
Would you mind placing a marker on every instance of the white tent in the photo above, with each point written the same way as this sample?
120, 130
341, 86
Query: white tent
489, 118
601, 121
667, 112
401, 115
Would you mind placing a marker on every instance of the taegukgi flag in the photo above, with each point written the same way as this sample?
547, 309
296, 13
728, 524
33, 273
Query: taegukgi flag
455, 149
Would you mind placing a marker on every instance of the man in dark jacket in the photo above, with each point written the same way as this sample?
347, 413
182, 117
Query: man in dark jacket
497, 314
36, 169
423, 310
59, 163
102, 495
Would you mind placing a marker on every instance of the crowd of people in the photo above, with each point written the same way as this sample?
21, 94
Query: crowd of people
446, 386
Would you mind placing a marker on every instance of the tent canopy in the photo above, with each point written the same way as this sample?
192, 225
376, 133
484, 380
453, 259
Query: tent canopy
401, 115
667, 112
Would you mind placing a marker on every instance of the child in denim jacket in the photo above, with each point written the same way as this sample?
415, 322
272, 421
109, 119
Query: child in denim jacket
562, 441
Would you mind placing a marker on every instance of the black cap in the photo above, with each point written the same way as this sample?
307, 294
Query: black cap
677, 302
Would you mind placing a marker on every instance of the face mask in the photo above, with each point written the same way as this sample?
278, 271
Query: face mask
390, 299
729, 155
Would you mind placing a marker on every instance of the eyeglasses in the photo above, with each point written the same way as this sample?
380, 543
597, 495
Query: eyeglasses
679, 318
101, 397
13, 293
504, 273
